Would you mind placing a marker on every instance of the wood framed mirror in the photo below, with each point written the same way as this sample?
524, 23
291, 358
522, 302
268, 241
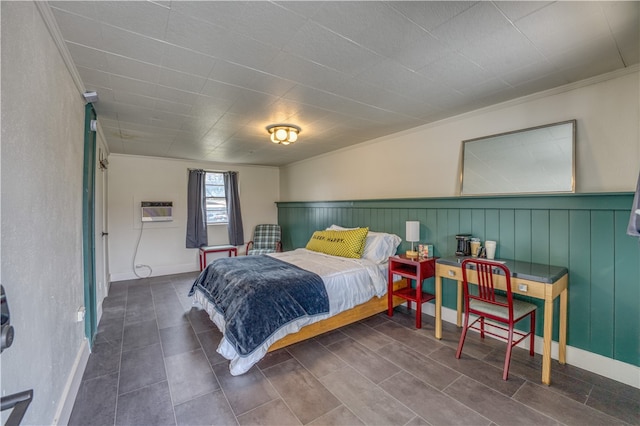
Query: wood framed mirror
537, 160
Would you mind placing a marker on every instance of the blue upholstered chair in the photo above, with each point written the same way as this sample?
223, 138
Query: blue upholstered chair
267, 238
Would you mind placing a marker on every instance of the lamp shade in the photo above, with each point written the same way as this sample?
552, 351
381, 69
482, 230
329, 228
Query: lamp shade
413, 230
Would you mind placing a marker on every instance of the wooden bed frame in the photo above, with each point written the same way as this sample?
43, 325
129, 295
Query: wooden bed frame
357, 313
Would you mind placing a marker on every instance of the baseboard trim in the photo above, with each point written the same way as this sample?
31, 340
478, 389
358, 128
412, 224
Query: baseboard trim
70, 392
616, 370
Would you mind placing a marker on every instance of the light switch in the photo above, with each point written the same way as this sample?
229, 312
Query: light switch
522, 287
452, 273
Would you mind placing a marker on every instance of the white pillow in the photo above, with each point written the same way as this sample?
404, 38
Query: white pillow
378, 246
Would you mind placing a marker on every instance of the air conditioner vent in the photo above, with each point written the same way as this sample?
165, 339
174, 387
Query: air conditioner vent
157, 211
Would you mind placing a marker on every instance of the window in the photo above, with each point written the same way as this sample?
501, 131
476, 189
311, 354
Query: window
215, 200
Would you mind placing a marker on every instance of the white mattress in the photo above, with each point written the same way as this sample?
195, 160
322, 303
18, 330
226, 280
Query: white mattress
349, 282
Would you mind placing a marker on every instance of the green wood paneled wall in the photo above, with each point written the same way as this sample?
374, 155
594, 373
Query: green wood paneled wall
584, 232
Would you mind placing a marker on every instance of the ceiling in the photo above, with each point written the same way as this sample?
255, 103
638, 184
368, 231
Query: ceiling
201, 80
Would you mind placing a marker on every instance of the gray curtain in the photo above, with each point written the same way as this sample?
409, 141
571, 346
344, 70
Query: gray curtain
196, 210
234, 226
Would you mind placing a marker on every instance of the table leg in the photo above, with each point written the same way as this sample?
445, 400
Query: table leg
459, 305
438, 285
390, 294
418, 315
562, 343
548, 334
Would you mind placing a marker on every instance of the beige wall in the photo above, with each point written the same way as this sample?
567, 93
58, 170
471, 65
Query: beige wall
425, 161
42, 171
133, 179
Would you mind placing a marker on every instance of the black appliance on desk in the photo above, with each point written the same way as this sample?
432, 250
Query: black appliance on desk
463, 245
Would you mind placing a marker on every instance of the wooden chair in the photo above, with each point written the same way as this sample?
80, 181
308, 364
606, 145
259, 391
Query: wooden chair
486, 304
267, 238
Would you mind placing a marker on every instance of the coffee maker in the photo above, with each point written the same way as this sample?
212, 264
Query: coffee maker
464, 245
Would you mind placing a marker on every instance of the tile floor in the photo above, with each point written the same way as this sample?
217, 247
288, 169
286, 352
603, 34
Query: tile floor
154, 363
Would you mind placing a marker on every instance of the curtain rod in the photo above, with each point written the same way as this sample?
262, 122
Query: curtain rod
215, 171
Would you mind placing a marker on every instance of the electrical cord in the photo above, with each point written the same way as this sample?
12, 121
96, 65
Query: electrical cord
135, 254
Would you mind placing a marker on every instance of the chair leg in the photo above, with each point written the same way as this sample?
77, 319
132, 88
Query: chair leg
482, 327
533, 333
507, 358
465, 327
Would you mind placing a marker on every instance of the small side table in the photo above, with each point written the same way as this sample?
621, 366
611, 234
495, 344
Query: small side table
215, 249
417, 269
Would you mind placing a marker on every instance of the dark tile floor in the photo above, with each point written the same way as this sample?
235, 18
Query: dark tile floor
154, 363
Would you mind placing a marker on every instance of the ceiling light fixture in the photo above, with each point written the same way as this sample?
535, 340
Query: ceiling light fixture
283, 133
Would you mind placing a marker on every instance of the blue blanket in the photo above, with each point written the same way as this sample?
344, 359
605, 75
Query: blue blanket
257, 295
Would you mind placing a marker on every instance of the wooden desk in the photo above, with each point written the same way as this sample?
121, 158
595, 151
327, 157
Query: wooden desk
535, 280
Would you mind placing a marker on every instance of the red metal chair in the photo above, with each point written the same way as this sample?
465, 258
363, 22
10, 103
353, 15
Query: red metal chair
486, 304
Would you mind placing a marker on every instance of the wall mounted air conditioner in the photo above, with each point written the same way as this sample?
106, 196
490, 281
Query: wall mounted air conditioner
157, 211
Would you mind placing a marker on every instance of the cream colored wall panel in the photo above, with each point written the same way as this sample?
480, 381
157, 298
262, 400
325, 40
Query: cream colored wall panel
42, 170
425, 161
133, 179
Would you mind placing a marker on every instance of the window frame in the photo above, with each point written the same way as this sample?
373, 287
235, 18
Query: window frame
215, 200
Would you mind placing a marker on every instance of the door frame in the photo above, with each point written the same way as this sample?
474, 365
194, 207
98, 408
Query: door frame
88, 224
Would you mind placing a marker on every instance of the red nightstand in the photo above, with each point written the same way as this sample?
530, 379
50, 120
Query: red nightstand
417, 269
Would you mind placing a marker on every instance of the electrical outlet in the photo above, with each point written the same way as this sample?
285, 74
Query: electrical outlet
522, 287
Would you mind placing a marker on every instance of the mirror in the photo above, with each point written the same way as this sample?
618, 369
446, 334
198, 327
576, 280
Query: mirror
535, 160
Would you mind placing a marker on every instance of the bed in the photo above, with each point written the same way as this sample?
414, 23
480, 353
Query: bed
336, 290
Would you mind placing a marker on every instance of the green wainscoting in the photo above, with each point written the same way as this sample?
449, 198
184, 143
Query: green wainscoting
584, 232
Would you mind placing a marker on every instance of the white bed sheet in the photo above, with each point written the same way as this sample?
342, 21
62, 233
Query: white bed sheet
349, 282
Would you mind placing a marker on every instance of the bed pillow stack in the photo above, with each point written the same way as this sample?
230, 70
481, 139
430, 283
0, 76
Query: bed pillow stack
344, 243
378, 247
